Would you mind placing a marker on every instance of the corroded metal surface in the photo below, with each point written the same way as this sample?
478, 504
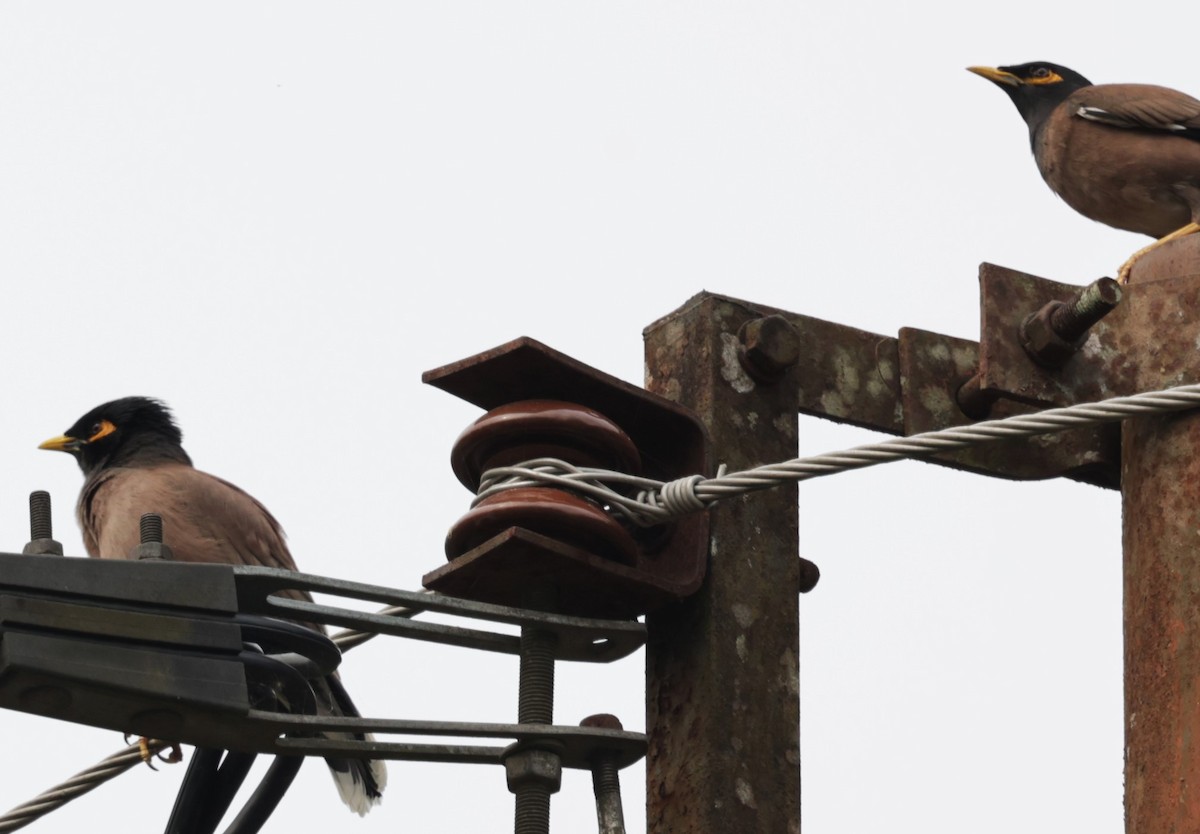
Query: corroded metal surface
722, 697
848, 375
1145, 344
933, 367
1160, 485
1008, 298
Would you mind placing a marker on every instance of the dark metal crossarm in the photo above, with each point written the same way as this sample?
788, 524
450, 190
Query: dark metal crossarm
211, 655
579, 638
578, 746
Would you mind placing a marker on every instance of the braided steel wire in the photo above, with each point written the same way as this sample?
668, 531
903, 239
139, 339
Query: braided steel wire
646, 502
76, 786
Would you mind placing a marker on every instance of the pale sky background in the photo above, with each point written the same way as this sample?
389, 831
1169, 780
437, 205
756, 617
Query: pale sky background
275, 216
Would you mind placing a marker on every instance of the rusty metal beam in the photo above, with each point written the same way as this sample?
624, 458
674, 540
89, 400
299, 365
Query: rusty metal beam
722, 696
910, 384
1160, 484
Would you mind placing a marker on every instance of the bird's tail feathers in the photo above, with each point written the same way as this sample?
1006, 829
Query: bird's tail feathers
360, 782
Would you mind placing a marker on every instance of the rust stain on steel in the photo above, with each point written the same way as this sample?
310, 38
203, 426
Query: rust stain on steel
858, 377
1160, 484
721, 666
848, 375
840, 373
1146, 343
1009, 297
932, 369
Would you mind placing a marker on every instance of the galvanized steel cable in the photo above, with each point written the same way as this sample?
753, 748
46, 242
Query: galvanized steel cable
646, 502
76, 786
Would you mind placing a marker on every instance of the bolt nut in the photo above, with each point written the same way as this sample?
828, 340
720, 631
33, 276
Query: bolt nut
770, 345
1040, 341
153, 551
533, 767
42, 547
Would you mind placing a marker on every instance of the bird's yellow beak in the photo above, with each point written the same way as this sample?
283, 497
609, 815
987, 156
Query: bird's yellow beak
999, 76
62, 443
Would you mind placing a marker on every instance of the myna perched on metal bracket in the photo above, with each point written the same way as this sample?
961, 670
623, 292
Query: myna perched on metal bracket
1127, 155
133, 463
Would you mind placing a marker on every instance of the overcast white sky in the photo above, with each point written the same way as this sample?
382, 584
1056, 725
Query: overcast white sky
275, 216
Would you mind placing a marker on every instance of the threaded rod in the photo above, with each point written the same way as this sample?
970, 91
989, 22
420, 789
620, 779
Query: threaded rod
535, 698
151, 528
40, 523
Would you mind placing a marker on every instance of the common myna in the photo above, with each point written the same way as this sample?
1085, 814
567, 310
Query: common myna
133, 463
1127, 155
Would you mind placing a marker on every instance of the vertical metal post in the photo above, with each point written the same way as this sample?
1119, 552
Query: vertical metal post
1160, 489
722, 690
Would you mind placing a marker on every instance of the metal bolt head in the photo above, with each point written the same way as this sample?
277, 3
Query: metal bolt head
810, 575
770, 345
602, 721
1040, 341
533, 767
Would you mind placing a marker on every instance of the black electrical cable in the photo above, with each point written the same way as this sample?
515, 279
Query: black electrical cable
214, 777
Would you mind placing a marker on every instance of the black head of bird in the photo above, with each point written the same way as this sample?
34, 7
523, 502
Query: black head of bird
122, 431
1127, 155
1035, 88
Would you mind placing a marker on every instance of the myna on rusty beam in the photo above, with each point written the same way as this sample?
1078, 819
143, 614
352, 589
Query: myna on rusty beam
133, 463
1127, 155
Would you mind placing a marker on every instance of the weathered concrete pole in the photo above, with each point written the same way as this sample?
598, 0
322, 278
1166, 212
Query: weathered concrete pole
1160, 488
722, 691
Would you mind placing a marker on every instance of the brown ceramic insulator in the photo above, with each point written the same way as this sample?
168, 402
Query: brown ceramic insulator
550, 512
529, 429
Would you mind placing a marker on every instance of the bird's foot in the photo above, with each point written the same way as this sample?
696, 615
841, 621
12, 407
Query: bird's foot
174, 753
1127, 267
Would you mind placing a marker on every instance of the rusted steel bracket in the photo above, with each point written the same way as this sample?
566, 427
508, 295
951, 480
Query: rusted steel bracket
924, 381
1116, 359
932, 369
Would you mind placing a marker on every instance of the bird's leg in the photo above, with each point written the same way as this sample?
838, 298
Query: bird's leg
1123, 273
173, 757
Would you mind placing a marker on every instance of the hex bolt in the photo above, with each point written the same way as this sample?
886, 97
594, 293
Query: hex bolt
533, 775
606, 780
1053, 334
41, 530
150, 528
769, 347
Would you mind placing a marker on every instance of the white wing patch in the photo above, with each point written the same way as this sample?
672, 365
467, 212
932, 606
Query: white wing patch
1099, 114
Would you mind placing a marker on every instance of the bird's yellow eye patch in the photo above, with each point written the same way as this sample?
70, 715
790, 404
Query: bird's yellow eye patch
102, 429
1042, 77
